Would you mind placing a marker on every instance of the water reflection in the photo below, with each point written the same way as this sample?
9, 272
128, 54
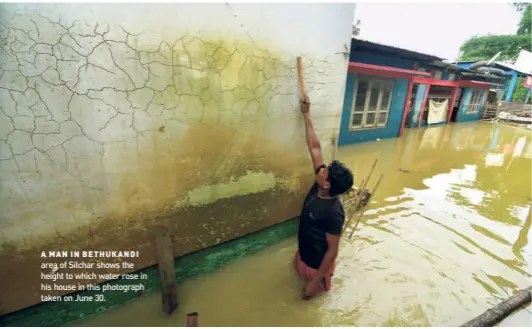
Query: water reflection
444, 238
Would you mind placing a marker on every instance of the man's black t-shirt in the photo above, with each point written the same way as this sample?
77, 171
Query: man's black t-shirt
319, 216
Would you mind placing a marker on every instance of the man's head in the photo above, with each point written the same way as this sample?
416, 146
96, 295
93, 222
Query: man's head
336, 178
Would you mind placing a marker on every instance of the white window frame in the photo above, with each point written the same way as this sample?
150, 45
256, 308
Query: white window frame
475, 102
380, 108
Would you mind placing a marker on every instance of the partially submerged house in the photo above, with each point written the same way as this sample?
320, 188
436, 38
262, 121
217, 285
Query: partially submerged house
389, 89
511, 72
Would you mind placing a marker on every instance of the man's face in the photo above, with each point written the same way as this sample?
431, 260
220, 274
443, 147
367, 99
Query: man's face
321, 178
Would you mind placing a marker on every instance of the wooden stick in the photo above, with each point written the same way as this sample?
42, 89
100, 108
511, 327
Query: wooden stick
498, 313
371, 196
333, 144
192, 319
369, 175
356, 224
300, 72
165, 257
360, 193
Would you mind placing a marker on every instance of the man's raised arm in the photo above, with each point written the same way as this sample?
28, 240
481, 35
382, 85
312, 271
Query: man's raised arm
313, 142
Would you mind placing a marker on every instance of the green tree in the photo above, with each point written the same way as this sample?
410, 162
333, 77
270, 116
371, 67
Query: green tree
485, 47
520, 6
525, 24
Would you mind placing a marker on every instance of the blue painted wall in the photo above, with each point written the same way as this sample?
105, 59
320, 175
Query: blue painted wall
421, 89
375, 58
511, 87
464, 65
462, 115
395, 115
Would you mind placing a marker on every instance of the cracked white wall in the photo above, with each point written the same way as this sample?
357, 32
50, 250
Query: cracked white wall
112, 114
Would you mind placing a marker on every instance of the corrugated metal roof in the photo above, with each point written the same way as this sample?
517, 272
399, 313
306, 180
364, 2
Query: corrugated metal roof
503, 64
512, 67
434, 60
478, 74
393, 49
447, 66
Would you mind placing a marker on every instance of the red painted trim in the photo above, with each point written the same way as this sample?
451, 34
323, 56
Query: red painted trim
436, 82
380, 73
385, 68
485, 83
407, 105
475, 84
451, 106
423, 105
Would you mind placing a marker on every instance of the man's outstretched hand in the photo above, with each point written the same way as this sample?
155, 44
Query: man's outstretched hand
305, 105
311, 288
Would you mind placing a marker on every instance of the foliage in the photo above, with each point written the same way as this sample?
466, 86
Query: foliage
520, 90
485, 47
520, 6
525, 24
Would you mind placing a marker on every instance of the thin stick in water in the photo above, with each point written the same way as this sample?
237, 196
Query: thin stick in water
369, 175
360, 192
192, 319
371, 196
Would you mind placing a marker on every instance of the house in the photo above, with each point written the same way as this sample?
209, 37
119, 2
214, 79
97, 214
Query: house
390, 88
511, 72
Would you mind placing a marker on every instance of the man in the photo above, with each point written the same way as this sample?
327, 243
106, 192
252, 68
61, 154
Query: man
322, 217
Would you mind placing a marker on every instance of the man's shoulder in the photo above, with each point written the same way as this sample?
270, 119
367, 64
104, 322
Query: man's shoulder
337, 209
338, 205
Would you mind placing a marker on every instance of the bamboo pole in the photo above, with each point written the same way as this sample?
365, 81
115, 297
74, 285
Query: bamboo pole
300, 73
369, 175
165, 258
361, 192
500, 311
362, 213
192, 319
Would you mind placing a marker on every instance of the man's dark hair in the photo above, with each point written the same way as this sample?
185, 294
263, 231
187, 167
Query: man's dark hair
340, 178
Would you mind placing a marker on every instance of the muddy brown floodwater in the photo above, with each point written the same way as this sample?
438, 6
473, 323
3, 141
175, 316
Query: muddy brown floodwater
444, 238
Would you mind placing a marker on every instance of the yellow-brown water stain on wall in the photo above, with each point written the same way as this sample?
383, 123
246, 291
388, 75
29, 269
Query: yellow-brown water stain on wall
202, 143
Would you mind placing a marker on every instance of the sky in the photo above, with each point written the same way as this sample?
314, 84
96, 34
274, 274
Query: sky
434, 28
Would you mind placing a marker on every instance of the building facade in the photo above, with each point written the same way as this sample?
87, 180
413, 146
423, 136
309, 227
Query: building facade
389, 89
117, 118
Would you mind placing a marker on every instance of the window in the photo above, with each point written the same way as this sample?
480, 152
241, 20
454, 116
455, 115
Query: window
476, 101
437, 75
371, 102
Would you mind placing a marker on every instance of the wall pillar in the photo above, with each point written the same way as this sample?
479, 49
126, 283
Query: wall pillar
423, 106
511, 88
421, 91
460, 116
407, 105
451, 105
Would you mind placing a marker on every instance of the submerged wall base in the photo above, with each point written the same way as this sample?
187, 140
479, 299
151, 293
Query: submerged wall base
200, 262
